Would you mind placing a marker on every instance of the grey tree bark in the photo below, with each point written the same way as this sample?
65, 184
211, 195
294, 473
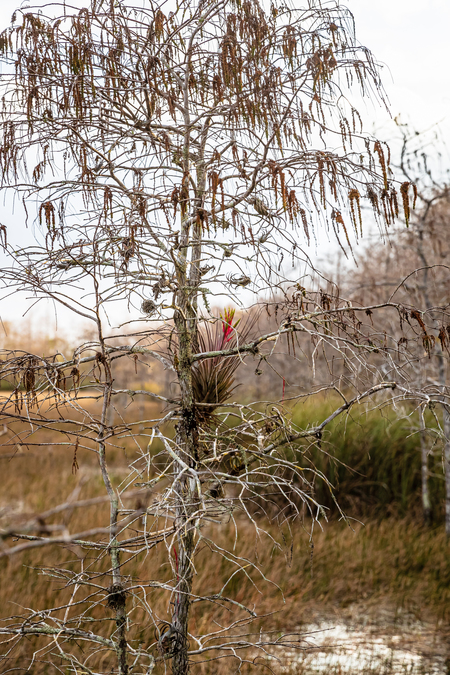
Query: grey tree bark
426, 503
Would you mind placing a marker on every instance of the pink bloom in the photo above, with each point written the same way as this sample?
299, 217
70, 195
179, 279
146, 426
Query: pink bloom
227, 324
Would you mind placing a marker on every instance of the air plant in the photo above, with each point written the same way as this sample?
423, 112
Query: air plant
213, 379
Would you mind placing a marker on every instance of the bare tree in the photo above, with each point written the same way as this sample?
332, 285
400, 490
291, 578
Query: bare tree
414, 271
429, 244
173, 156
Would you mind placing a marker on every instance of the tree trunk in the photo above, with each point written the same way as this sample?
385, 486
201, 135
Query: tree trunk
184, 565
426, 504
117, 593
447, 469
446, 427
186, 493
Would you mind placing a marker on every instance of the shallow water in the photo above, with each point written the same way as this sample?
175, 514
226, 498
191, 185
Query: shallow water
340, 648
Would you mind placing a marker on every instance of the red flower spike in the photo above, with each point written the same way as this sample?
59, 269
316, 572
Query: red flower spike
227, 323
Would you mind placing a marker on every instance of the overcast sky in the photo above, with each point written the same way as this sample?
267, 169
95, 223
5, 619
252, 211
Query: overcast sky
410, 39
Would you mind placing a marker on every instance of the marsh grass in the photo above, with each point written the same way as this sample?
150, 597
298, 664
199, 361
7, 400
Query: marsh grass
372, 459
395, 563
392, 560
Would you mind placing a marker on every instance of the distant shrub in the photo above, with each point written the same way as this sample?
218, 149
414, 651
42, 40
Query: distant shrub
373, 461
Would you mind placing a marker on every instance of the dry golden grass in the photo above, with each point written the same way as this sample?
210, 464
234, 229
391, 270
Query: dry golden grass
387, 562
